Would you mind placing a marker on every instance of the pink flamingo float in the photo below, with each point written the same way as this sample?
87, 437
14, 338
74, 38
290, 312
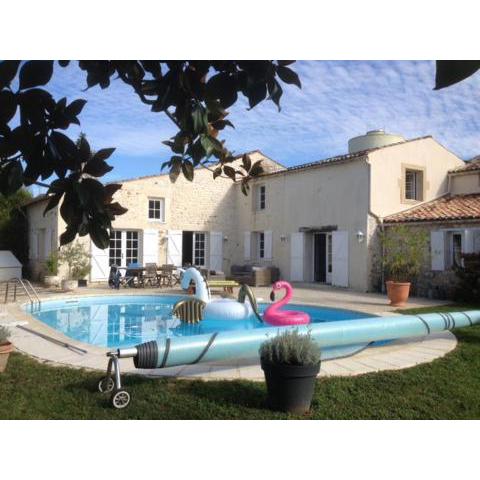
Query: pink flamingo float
274, 316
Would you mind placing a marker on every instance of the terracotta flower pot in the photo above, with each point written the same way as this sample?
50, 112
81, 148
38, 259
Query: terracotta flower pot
5, 350
69, 285
398, 292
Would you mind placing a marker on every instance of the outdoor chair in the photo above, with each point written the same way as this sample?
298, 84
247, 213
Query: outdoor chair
150, 275
167, 275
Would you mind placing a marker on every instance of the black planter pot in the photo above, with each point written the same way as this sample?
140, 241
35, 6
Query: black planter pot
82, 283
290, 387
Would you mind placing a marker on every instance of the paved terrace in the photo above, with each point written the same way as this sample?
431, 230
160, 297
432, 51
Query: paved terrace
396, 355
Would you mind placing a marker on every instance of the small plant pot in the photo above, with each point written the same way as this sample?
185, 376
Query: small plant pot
290, 388
5, 350
69, 285
82, 283
51, 281
398, 292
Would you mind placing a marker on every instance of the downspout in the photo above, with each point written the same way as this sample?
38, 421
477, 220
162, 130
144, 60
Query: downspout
380, 224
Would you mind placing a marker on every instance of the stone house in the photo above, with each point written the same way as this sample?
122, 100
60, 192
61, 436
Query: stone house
453, 224
317, 222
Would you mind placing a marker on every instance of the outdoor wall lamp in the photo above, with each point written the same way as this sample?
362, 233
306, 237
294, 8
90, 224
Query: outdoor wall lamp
225, 238
283, 238
360, 236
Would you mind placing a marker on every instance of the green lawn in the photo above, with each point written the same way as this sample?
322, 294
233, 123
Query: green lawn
447, 388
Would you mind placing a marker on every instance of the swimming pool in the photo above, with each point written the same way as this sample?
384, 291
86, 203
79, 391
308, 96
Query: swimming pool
125, 321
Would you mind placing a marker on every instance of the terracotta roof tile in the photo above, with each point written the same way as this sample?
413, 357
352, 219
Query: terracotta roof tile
449, 207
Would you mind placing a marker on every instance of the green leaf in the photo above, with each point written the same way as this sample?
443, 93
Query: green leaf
188, 170
84, 150
8, 106
75, 108
99, 235
97, 167
200, 120
256, 93
103, 154
247, 162
284, 63
68, 235
210, 144
53, 202
217, 172
8, 70
229, 172
176, 168
288, 76
256, 169
221, 124
35, 73
450, 72
110, 190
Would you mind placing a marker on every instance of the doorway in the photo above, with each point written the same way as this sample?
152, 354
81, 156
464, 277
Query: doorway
194, 248
124, 248
322, 257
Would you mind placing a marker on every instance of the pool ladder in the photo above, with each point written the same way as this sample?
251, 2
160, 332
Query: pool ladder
26, 287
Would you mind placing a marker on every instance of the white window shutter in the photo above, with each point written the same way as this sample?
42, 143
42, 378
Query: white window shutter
99, 263
247, 245
174, 247
468, 241
150, 246
476, 241
268, 240
340, 258
437, 249
297, 248
216, 251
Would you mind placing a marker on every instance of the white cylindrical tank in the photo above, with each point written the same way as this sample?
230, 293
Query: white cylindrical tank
373, 139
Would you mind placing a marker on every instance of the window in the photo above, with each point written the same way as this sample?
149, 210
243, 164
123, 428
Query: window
199, 249
413, 185
261, 197
156, 209
456, 250
261, 245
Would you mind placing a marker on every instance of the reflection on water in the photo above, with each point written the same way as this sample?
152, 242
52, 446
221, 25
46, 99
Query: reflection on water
106, 324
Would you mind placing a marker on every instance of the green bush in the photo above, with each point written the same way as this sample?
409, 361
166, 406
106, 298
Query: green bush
404, 252
290, 348
51, 263
4, 334
77, 260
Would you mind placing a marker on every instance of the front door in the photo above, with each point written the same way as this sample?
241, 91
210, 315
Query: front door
320, 257
124, 247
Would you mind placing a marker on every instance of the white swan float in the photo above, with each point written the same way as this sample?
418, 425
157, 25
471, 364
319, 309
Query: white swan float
218, 309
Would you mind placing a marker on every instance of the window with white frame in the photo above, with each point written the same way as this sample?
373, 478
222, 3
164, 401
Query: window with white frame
156, 209
261, 245
261, 197
413, 184
199, 244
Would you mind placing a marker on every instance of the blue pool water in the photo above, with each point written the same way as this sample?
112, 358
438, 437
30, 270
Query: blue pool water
125, 321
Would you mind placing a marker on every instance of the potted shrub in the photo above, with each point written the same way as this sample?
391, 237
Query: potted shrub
5, 347
78, 264
404, 251
51, 279
291, 363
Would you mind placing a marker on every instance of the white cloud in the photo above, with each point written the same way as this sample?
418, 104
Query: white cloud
338, 100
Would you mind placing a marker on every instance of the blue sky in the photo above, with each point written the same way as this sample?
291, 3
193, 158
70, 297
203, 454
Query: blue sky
339, 100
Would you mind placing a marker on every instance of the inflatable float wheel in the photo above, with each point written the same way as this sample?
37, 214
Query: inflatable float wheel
120, 399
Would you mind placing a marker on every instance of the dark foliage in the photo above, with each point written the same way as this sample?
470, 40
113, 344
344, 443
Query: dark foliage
450, 72
468, 288
13, 224
194, 94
